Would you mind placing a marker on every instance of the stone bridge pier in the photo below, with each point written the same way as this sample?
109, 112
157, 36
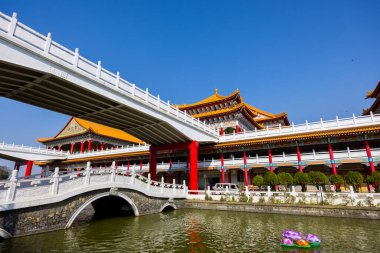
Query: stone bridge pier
61, 215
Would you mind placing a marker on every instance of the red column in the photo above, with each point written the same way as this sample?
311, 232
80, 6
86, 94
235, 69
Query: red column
81, 146
59, 147
153, 163
332, 160
299, 160
141, 167
28, 171
170, 172
222, 168
245, 169
237, 129
369, 155
271, 168
89, 142
102, 146
193, 147
221, 131
72, 148
129, 165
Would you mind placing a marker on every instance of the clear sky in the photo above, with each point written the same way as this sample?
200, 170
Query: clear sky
311, 59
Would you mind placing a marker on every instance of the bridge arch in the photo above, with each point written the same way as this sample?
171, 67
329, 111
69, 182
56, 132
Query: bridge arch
168, 206
4, 234
99, 196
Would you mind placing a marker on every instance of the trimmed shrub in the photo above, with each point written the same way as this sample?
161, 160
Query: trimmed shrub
285, 179
258, 181
317, 178
337, 180
355, 179
270, 179
302, 179
4, 172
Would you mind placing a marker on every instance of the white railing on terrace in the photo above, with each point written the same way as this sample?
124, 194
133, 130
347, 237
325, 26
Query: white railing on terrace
114, 151
9, 26
256, 160
15, 193
306, 127
35, 150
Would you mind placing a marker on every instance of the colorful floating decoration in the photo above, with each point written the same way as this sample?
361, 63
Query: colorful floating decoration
293, 238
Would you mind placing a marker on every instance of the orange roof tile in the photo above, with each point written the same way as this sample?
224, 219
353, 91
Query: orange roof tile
81, 126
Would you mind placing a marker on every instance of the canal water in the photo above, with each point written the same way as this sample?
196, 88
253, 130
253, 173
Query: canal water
202, 231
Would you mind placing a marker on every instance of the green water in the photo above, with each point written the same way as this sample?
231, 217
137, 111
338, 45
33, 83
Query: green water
202, 231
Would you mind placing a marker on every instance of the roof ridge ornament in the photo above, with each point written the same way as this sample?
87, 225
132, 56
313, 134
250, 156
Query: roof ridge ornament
216, 91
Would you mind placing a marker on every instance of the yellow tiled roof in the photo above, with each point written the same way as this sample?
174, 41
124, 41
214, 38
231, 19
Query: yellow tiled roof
211, 99
95, 128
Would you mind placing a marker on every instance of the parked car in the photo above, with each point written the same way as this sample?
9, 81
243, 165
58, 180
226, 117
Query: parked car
222, 188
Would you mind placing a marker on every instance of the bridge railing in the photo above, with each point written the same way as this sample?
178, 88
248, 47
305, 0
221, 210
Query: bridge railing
51, 49
36, 150
114, 151
306, 127
40, 190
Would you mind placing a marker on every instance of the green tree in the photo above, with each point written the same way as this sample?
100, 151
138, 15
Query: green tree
270, 179
302, 179
355, 179
285, 179
337, 180
4, 172
317, 178
258, 181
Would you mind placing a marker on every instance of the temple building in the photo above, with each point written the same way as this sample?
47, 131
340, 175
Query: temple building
231, 114
375, 106
81, 135
252, 141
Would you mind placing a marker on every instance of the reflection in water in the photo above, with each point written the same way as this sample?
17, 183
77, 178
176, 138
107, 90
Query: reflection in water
199, 231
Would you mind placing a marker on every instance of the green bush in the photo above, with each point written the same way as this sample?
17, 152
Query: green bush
270, 179
374, 179
302, 179
285, 179
243, 197
258, 181
4, 172
317, 178
355, 179
336, 179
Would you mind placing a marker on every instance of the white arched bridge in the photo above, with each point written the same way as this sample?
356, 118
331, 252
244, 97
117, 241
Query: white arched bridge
38, 71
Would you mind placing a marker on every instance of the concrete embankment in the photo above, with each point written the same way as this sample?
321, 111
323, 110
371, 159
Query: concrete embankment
310, 210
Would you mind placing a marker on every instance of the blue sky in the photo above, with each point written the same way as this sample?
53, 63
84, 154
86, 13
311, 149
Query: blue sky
311, 59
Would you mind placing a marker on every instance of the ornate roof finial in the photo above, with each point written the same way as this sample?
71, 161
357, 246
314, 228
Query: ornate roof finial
216, 91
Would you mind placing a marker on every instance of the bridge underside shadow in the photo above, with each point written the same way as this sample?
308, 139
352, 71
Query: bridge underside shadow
98, 204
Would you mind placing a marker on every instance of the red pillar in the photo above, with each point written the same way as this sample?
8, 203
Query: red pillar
102, 146
28, 171
59, 147
222, 168
89, 142
221, 131
72, 148
271, 168
129, 165
331, 153
141, 167
170, 172
369, 155
245, 169
153, 163
81, 147
299, 160
237, 129
193, 147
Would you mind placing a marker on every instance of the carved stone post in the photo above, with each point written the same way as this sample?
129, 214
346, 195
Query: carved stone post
173, 186
12, 186
148, 183
55, 182
113, 171
133, 175
88, 174
162, 184
184, 186
269, 193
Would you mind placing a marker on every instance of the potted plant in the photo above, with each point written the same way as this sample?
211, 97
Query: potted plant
285, 179
271, 179
355, 179
302, 179
337, 180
